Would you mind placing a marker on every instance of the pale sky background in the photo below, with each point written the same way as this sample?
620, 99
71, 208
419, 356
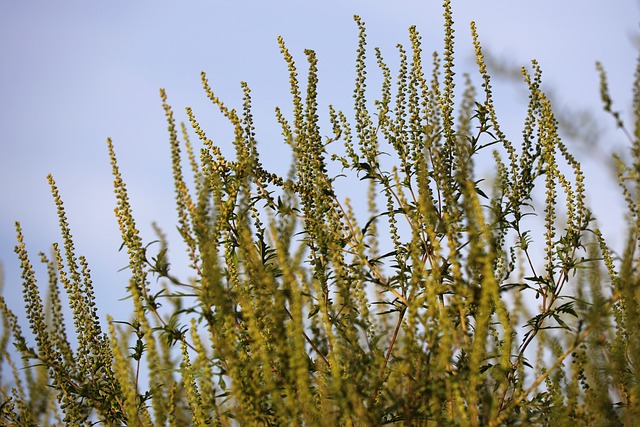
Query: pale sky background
76, 72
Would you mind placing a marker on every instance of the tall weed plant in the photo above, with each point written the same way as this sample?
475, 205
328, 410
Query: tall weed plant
445, 303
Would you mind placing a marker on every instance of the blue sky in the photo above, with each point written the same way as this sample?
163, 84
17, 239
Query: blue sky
75, 72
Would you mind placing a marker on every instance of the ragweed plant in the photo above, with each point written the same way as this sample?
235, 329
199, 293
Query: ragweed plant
435, 307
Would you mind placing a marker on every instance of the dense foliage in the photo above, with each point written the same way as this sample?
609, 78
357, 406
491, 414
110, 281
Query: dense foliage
446, 300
